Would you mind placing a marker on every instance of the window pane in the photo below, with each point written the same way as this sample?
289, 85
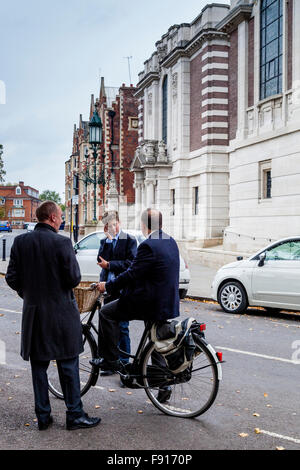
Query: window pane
279, 252
272, 12
272, 87
285, 251
295, 250
272, 50
92, 242
272, 31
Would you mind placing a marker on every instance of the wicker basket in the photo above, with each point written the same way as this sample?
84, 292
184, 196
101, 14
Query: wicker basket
85, 297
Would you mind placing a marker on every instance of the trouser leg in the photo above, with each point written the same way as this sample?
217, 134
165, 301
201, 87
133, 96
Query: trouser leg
68, 371
124, 340
40, 389
109, 332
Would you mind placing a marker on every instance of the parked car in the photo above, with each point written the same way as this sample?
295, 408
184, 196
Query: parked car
269, 279
5, 226
30, 226
86, 253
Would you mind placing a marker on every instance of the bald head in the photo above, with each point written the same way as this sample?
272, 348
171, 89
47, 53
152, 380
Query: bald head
151, 220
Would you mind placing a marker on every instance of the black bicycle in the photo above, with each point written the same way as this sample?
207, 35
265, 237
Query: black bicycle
193, 390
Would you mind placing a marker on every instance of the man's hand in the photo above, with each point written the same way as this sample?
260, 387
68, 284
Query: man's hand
106, 233
101, 287
103, 263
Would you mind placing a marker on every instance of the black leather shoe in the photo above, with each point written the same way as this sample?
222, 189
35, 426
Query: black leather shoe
164, 394
103, 364
83, 422
43, 425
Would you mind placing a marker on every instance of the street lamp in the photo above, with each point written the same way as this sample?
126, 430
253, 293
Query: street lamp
95, 140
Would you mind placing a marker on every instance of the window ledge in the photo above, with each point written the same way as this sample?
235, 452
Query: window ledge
265, 200
270, 98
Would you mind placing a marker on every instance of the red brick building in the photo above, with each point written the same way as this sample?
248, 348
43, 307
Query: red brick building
118, 110
19, 203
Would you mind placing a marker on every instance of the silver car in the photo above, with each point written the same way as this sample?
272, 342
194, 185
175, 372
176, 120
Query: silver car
87, 250
269, 278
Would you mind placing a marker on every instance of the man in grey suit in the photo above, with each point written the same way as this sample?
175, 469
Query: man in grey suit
43, 270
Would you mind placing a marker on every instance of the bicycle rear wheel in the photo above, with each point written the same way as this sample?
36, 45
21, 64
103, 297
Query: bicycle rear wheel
88, 376
193, 391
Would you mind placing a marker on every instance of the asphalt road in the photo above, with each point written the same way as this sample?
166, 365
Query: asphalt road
260, 390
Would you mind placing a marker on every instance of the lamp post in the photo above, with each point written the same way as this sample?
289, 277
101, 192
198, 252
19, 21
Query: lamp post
95, 140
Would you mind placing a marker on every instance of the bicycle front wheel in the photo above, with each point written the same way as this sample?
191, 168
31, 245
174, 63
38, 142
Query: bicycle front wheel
88, 376
193, 391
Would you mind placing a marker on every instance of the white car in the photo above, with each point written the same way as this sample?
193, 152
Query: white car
30, 226
87, 250
270, 279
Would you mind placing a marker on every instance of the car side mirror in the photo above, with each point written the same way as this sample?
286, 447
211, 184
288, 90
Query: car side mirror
262, 258
239, 258
76, 248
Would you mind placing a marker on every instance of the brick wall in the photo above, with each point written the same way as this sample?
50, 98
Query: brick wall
233, 84
195, 109
128, 140
209, 97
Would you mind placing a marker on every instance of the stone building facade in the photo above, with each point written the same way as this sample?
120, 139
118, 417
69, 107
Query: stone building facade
19, 203
219, 125
117, 108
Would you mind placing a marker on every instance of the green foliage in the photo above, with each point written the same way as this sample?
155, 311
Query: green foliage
48, 195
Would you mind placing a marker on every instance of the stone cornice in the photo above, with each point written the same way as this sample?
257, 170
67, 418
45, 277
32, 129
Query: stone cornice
236, 16
180, 51
146, 81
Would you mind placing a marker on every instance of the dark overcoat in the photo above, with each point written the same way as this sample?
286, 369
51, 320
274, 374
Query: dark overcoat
43, 270
150, 286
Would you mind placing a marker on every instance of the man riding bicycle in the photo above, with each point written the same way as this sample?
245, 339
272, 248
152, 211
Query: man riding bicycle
149, 291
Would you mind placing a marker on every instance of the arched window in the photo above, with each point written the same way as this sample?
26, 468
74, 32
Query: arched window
165, 110
271, 21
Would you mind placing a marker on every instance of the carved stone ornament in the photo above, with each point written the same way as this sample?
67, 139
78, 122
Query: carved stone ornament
162, 52
150, 104
149, 152
162, 152
174, 85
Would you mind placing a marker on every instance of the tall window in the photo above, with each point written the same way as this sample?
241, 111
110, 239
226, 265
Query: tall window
196, 200
265, 169
165, 110
271, 48
172, 201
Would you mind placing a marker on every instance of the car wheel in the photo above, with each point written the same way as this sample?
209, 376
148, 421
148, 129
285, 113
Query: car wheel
233, 298
182, 293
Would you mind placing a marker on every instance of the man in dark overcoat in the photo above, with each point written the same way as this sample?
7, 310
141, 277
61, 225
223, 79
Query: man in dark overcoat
43, 270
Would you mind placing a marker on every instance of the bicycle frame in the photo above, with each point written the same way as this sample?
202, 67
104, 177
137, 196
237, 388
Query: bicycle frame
145, 336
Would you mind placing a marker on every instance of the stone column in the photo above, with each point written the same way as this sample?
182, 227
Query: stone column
150, 198
138, 204
242, 130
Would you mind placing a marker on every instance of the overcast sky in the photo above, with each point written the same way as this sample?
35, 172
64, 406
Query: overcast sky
52, 54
